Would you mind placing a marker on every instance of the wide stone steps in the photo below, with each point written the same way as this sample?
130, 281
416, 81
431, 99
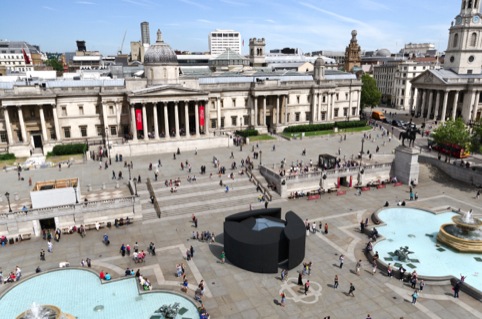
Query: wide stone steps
149, 213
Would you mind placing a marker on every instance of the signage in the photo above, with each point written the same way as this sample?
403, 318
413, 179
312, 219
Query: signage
201, 115
139, 120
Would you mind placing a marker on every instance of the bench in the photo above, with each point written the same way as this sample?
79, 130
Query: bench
65, 230
89, 226
25, 236
313, 197
381, 186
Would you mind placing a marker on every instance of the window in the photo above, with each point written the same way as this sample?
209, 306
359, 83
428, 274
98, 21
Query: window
234, 120
3, 137
234, 102
345, 111
113, 130
246, 118
353, 111
222, 102
222, 122
66, 132
213, 104
323, 116
245, 102
335, 112
297, 116
337, 96
99, 129
324, 98
456, 40
213, 123
307, 116
83, 131
111, 109
346, 96
64, 111
298, 99
81, 110
97, 109
473, 39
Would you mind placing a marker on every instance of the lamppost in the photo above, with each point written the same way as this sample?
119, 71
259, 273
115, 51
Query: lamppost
260, 157
7, 195
108, 145
75, 191
129, 168
362, 143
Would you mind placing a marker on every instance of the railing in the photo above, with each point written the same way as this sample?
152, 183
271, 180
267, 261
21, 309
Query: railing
153, 195
256, 182
85, 207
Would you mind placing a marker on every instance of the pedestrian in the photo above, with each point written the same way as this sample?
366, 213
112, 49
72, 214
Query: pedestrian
414, 297
457, 289
300, 279
341, 259
223, 257
60, 167
326, 228
42, 255
389, 271
478, 194
352, 289
368, 317
358, 266
335, 284
307, 287
192, 251
113, 175
283, 299
422, 284
50, 247
374, 269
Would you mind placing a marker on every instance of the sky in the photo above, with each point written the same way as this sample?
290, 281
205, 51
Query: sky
309, 25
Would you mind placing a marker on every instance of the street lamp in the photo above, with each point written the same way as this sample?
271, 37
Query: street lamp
7, 195
129, 168
362, 143
108, 146
75, 191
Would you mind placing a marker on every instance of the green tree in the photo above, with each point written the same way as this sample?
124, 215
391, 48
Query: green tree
370, 95
453, 132
476, 142
55, 64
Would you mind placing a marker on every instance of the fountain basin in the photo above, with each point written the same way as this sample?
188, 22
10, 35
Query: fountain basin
44, 312
460, 244
462, 223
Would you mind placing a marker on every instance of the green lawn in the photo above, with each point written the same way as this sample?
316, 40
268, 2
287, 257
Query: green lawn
12, 161
329, 132
64, 158
262, 137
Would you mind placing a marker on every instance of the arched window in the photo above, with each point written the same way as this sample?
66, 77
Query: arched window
456, 40
473, 39
470, 5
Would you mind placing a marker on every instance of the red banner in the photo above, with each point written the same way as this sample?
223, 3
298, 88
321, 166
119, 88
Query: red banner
139, 120
201, 115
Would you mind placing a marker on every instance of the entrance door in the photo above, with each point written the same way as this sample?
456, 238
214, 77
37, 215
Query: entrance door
37, 141
48, 223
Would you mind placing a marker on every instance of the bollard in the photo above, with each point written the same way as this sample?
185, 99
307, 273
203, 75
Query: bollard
103, 185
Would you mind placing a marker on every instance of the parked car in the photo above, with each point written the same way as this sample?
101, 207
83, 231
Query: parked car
397, 123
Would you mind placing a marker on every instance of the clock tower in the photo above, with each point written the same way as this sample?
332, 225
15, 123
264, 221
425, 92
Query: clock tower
464, 50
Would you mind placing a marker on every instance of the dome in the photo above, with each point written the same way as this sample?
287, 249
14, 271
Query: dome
319, 61
160, 53
383, 53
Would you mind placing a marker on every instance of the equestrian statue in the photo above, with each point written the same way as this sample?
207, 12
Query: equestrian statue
410, 134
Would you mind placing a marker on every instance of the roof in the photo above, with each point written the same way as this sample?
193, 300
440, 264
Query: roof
229, 55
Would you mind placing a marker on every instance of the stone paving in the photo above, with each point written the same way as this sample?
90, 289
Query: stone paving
235, 293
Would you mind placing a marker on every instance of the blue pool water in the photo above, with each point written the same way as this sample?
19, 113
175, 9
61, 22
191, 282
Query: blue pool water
77, 292
411, 227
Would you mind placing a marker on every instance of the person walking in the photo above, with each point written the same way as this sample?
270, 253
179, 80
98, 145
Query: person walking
357, 267
422, 284
300, 279
478, 194
50, 247
283, 299
341, 259
414, 297
335, 284
374, 269
307, 287
352, 289
326, 228
457, 289
223, 257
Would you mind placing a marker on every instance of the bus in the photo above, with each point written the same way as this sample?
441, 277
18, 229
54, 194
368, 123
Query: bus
452, 150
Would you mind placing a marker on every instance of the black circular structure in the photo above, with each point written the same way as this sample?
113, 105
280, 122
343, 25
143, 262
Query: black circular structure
260, 240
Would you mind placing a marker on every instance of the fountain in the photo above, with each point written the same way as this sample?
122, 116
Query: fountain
463, 235
44, 312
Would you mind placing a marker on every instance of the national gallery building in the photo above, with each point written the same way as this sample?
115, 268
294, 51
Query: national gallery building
167, 107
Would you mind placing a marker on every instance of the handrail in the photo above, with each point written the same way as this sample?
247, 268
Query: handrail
153, 195
253, 178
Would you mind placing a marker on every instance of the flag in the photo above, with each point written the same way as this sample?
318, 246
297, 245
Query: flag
25, 57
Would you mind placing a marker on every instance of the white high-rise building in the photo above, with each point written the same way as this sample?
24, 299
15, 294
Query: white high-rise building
220, 40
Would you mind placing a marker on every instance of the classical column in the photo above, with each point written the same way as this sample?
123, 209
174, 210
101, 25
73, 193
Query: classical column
207, 119
156, 124
133, 123
285, 103
196, 117
255, 122
264, 110
444, 106
186, 118
144, 122
430, 98
418, 107
454, 108
167, 133
437, 106
277, 110
22, 125
56, 122
8, 126
218, 108
328, 108
476, 104
176, 117
424, 100
42, 123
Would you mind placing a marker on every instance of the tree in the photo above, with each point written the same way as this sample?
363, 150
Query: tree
476, 142
453, 132
55, 64
370, 95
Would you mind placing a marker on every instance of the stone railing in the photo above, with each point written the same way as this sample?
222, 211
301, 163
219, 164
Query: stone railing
256, 182
84, 207
153, 195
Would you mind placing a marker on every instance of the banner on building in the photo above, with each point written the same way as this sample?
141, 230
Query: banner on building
201, 115
139, 120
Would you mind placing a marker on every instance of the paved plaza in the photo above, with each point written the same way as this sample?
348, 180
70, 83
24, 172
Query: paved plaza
232, 292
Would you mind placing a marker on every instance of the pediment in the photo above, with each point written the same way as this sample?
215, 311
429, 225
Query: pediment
165, 90
428, 78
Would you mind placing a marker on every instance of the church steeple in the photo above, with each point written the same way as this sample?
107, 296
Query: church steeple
464, 50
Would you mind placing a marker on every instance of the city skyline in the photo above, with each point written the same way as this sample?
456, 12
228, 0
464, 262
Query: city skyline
308, 25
